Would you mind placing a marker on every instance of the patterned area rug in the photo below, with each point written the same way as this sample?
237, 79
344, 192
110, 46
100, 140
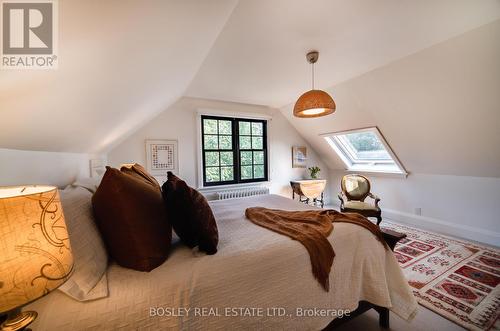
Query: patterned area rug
456, 279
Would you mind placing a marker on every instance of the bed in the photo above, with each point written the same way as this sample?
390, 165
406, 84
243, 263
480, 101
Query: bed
258, 280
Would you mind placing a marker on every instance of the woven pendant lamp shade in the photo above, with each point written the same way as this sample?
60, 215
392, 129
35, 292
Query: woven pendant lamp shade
314, 103
35, 254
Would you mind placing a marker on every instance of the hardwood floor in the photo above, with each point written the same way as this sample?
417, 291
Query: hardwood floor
425, 320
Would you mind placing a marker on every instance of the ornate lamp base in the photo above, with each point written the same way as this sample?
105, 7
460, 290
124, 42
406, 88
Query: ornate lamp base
18, 320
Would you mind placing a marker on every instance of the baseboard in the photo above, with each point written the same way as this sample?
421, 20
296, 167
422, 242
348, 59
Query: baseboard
444, 227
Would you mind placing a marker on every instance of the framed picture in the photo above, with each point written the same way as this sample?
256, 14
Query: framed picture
162, 156
299, 156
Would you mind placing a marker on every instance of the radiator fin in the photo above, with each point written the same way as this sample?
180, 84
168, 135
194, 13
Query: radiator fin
241, 193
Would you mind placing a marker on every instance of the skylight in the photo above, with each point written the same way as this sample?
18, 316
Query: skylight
364, 150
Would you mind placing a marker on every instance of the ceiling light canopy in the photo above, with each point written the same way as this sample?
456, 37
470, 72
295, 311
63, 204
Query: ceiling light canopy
314, 103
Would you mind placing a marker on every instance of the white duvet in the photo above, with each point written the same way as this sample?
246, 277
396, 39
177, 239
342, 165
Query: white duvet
258, 280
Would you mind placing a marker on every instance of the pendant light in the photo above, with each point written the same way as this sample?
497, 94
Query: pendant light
314, 103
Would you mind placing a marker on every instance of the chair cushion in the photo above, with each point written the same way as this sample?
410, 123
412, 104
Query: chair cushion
356, 187
132, 219
190, 214
359, 205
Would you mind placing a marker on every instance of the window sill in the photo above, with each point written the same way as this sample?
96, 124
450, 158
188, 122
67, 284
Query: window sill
403, 175
208, 189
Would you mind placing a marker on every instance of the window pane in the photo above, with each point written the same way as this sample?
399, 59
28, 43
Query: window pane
245, 128
222, 152
212, 174
246, 172
226, 158
246, 158
225, 127
210, 126
258, 171
212, 158
245, 143
364, 150
256, 129
366, 145
211, 142
225, 142
226, 173
256, 142
258, 157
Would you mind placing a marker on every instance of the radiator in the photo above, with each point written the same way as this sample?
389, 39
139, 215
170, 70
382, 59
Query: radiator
243, 192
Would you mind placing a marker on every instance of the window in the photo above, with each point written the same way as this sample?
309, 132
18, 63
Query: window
234, 150
365, 150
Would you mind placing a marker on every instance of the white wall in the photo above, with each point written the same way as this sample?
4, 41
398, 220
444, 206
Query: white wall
180, 122
462, 206
438, 110
19, 167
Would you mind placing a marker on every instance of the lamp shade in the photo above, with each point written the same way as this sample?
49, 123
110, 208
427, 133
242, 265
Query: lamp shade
314, 103
35, 253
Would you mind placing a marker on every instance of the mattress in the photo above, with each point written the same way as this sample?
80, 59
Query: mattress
258, 280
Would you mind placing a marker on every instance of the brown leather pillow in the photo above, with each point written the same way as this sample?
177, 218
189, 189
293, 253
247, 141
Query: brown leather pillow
131, 217
190, 214
138, 171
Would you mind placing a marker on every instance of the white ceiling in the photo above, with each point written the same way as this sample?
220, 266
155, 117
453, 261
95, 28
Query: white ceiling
123, 62
259, 57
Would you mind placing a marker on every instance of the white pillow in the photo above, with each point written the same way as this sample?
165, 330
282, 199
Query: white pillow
88, 281
89, 183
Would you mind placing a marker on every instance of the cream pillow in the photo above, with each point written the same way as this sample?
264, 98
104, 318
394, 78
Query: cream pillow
88, 281
89, 183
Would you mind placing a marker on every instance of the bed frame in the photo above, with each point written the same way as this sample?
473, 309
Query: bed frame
391, 238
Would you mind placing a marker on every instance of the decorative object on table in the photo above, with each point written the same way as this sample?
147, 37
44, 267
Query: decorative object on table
355, 189
309, 190
313, 103
458, 280
314, 171
35, 253
162, 157
299, 156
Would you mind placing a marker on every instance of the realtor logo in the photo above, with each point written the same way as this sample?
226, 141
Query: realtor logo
29, 34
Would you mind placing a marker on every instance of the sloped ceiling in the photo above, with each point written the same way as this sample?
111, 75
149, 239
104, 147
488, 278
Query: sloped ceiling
438, 108
259, 57
121, 63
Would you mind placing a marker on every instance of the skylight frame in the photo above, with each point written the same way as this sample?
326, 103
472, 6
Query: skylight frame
337, 141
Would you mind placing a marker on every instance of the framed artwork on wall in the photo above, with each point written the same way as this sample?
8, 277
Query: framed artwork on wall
162, 156
299, 156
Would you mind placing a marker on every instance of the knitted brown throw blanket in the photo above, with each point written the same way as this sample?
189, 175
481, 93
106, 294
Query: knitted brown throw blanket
311, 228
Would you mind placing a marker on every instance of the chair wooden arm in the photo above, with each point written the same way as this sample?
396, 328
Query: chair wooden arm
374, 197
341, 198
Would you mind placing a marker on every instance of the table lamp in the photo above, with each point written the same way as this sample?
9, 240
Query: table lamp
35, 254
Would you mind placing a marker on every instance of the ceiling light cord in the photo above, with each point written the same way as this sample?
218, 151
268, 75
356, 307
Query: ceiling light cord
312, 75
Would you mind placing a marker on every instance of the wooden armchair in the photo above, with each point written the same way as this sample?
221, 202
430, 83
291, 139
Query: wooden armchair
355, 189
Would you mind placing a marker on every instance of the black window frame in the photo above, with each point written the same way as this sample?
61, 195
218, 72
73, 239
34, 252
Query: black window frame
235, 149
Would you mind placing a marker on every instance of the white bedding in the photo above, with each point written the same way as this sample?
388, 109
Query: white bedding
254, 268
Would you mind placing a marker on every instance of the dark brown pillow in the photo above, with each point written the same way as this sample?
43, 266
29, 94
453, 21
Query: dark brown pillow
131, 217
190, 214
138, 171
